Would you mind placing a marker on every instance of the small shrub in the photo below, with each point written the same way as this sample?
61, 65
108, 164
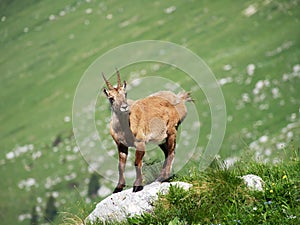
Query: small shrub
51, 210
94, 185
34, 216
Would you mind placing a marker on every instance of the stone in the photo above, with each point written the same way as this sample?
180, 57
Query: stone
253, 182
119, 206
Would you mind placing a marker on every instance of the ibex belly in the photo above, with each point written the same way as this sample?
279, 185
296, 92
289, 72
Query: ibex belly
157, 131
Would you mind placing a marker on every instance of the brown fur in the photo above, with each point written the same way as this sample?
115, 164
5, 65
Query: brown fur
135, 123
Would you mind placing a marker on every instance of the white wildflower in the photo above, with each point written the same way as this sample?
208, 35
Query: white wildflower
76, 149
285, 77
258, 86
227, 67
170, 9
268, 152
263, 139
290, 135
27, 183
275, 92
245, 97
267, 83
250, 10
155, 67
280, 145
24, 216
67, 119
36, 155
88, 11
10, 155
296, 68
52, 17
39, 199
224, 81
62, 13
293, 116
250, 69
228, 162
55, 194
70, 176
109, 16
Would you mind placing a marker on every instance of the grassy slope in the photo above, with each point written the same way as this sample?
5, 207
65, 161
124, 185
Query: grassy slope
218, 196
41, 68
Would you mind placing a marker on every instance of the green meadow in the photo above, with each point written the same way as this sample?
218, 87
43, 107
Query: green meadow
252, 48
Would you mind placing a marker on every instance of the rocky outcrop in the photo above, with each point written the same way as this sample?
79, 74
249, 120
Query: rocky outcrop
119, 206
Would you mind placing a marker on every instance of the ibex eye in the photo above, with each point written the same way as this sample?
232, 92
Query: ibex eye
111, 99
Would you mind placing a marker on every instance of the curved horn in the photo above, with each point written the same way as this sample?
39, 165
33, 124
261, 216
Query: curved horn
108, 84
119, 79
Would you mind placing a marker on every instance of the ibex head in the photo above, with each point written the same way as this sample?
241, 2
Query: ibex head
117, 96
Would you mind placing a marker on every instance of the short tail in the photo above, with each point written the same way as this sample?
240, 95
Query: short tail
185, 96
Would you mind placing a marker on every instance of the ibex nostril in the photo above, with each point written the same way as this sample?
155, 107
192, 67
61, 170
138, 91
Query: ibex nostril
124, 107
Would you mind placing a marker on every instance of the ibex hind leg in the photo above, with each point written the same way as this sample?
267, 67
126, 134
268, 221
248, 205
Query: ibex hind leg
169, 150
137, 188
139, 154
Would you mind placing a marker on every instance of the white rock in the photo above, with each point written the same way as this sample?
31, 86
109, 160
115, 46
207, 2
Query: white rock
253, 182
119, 206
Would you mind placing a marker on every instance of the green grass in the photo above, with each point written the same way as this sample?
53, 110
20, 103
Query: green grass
219, 196
42, 61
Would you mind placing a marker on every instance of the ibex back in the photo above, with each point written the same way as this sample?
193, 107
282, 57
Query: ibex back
135, 123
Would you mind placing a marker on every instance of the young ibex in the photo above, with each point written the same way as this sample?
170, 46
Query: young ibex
135, 123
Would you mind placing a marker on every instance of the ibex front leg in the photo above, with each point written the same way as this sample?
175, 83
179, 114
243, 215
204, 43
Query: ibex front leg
123, 152
139, 154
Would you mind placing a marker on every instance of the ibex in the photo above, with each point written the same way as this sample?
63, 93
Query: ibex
153, 119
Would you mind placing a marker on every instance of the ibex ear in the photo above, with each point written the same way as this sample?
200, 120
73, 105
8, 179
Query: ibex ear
105, 92
124, 85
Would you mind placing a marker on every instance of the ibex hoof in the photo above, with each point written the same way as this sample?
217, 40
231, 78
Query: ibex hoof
119, 189
164, 179
137, 188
